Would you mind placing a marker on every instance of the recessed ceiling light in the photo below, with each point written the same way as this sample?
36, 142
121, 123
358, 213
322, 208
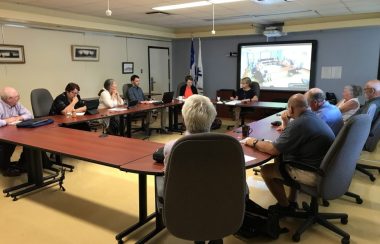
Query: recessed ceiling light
193, 4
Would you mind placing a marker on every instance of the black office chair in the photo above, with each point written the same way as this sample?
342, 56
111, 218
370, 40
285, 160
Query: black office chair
371, 143
334, 176
41, 100
204, 187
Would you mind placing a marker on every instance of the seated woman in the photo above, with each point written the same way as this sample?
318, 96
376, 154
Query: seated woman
246, 94
188, 89
69, 102
108, 98
350, 102
198, 113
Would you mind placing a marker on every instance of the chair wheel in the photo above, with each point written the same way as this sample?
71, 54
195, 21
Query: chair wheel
359, 200
296, 237
344, 221
372, 178
325, 203
345, 240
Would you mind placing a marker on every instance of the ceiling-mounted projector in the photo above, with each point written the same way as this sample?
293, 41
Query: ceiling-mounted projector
273, 31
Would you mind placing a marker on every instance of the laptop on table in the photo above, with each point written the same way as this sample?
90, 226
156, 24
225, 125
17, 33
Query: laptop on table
166, 98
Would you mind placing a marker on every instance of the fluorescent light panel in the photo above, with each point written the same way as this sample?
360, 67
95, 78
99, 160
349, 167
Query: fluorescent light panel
193, 4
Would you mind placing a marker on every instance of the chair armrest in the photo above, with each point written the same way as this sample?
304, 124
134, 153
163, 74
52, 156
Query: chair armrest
305, 166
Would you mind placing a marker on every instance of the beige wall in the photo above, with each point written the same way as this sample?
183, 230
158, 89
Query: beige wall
49, 65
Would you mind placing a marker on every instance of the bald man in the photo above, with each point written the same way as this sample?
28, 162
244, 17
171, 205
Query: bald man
10, 111
327, 112
305, 139
372, 95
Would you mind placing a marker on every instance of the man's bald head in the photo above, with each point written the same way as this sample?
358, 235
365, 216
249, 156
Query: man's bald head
315, 94
297, 104
372, 89
9, 95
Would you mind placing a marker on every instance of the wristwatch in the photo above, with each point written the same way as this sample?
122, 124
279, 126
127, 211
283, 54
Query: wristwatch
254, 144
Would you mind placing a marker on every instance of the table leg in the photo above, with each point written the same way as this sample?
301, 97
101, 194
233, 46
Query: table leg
122, 125
170, 125
129, 126
143, 218
35, 176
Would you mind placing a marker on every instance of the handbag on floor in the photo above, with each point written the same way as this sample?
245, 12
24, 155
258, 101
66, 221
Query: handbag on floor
259, 221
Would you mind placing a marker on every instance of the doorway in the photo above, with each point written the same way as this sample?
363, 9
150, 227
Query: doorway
159, 70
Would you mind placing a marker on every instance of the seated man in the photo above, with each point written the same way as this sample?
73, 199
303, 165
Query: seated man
372, 95
10, 111
68, 102
135, 93
324, 110
305, 139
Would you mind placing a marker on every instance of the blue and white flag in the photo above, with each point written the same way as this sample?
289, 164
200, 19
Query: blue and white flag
192, 59
199, 70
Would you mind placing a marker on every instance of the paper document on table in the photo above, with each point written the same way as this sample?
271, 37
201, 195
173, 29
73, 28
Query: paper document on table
79, 113
248, 158
117, 109
234, 102
153, 101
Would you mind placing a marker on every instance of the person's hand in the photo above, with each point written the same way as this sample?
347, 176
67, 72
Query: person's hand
280, 128
249, 141
12, 119
245, 100
75, 99
284, 115
255, 99
232, 98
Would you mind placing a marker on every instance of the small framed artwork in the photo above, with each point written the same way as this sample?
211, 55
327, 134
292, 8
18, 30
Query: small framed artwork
84, 53
12, 54
127, 67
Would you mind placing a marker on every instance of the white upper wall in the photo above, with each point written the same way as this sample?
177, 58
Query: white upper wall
48, 62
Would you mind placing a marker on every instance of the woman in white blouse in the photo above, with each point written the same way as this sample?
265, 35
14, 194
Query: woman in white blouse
108, 98
350, 102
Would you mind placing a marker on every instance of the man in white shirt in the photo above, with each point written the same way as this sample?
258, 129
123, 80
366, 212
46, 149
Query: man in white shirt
11, 111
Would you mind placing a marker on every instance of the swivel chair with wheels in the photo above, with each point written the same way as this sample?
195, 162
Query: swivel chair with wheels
204, 197
41, 100
370, 146
334, 176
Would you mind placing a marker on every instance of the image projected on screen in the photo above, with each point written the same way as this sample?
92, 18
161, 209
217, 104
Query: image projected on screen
277, 67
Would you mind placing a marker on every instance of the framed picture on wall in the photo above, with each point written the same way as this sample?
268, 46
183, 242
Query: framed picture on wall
12, 54
127, 67
84, 53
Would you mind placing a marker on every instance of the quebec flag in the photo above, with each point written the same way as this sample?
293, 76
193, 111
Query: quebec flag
192, 60
199, 73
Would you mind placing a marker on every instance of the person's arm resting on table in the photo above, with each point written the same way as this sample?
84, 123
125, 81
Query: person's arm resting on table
262, 146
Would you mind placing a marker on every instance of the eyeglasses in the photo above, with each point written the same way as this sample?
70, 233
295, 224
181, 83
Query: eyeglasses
367, 88
74, 92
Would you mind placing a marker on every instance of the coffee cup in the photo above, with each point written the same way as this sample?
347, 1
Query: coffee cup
180, 98
246, 130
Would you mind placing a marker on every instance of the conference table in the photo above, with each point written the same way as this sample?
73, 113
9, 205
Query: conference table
144, 166
123, 111
111, 151
126, 154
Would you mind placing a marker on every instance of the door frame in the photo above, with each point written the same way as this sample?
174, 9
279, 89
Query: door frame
156, 47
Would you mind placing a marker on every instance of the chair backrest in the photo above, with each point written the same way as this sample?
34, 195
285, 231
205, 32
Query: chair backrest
374, 134
41, 101
179, 87
204, 187
256, 87
125, 91
340, 161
